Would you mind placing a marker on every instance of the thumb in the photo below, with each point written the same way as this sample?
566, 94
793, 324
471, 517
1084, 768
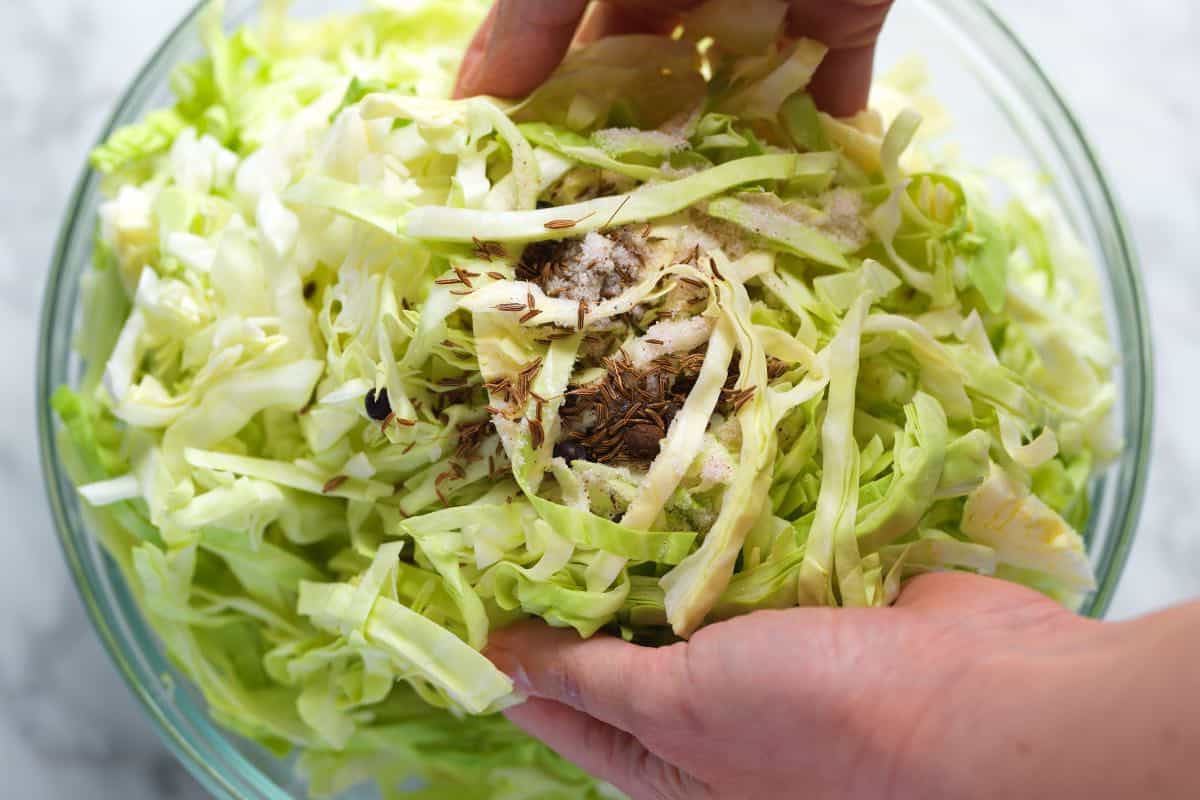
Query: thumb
624, 685
596, 702
605, 752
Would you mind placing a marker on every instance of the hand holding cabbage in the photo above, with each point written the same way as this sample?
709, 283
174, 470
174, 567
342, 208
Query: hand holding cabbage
372, 374
522, 41
968, 687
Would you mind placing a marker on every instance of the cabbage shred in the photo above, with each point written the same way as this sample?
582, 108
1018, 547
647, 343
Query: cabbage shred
371, 373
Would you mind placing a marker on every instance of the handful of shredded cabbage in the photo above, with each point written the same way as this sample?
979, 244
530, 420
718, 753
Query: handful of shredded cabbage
371, 372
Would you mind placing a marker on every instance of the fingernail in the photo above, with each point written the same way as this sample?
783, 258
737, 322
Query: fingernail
520, 679
508, 664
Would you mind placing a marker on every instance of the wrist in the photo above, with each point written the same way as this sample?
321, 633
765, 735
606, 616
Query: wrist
1097, 710
1018, 719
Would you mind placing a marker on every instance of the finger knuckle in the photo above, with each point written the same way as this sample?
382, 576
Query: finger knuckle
675, 674
663, 781
563, 684
689, 696
608, 744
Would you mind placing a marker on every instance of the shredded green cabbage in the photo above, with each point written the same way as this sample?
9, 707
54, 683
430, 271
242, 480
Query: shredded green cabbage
371, 373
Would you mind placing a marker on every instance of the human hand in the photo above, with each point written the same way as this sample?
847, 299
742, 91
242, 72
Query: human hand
967, 687
522, 41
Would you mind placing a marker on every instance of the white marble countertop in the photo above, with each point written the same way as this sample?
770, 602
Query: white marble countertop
68, 726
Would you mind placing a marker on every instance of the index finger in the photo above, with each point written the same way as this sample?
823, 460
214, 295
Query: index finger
850, 29
522, 41
604, 677
518, 45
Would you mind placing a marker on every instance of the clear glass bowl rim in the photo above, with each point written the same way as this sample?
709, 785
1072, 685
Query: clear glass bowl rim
1069, 140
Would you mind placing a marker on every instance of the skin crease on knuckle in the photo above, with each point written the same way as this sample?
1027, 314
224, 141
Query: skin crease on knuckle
563, 684
675, 668
615, 748
656, 779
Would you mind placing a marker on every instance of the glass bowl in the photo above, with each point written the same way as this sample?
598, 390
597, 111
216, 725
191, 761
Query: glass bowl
1003, 105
